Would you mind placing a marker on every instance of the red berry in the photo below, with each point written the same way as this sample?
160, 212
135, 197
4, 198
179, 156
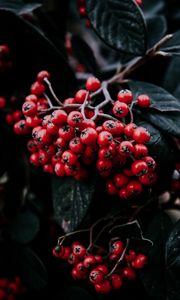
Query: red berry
32, 146
149, 178
79, 251
125, 96
17, 115
139, 2
35, 131
98, 258
9, 119
139, 261
93, 84
141, 135
82, 11
89, 261
21, 128
116, 281
61, 143
76, 145
108, 152
111, 188
73, 259
80, 96
81, 269
125, 148
120, 180
34, 159
120, 109
43, 157
134, 188
123, 194
105, 138
42, 75
143, 101
43, 137
52, 129
140, 151
59, 169
4, 51
66, 132
75, 118
103, 287
50, 149
103, 166
69, 158
129, 273
117, 248
88, 136
96, 276
59, 117
48, 168
129, 129
33, 121
128, 172
32, 98
2, 102
29, 108
75, 273
130, 256
37, 88
114, 127
66, 253
150, 162
103, 269
139, 167
88, 123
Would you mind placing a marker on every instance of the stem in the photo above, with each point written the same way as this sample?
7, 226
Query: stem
52, 91
63, 237
48, 100
84, 105
120, 259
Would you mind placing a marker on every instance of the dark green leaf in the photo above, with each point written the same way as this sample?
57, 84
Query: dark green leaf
161, 100
172, 75
120, 24
166, 122
71, 200
18, 6
19, 260
153, 7
84, 54
24, 227
131, 230
173, 262
156, 27
153, 275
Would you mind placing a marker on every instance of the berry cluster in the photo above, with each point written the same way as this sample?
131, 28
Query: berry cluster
5, 62
100, 271
175, 184
11, 289
11, 109
68, 138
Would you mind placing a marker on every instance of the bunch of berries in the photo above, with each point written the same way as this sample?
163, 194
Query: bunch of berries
67, 139
99, 270
11, 109
11, 289
5, 62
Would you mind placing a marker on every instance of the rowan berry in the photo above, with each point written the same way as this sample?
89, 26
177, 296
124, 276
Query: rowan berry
80, 96
150, 162
129, 273
42, 75
66, 132
21, 127
2, 102
125, 148
75, 118
116, 281
59, 117
139, 167
129, 129
89, 261
117, 248
105, 138
149, 178
37, 88
139, 261
59, 169
93, 84
120, 180
79, 250
143, 101
69, 158
120, 109
88, 136
141, 135
140, 151
96, 276
134, 188
103, 287
125, 96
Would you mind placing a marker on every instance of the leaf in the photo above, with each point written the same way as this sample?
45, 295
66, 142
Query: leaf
71, 200
173, 262
161, 100
18, 6
19, 260
153, 275
153, 7
120, 24
166, 122
34, 52
156, 28
24, 227
172, 75
84, 54
131, 230
173, 44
